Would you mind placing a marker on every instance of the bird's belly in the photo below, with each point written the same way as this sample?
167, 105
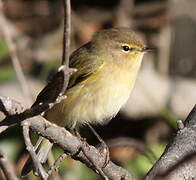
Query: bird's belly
98, 105
95, 103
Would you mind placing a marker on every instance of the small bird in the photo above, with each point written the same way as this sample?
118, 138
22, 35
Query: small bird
107, 68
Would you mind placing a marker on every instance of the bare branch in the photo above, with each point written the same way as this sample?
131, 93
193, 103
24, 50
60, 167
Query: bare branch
10, 107
76, 148
38, 167
67, 32
66, 41
56, 164
7, 167
179, 159
73, 145
14, 57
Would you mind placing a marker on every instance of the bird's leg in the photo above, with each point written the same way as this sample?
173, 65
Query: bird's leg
98, 169
75, 132
103, 147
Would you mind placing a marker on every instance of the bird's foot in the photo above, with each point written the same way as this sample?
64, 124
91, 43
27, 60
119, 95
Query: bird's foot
103, 148
77, 134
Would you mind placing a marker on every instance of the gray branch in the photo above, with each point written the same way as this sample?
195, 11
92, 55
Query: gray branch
7, 167
75, 147
179, 159
38, 167
67, 32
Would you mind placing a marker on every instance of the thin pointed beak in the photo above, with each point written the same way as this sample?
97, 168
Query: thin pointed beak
147, 49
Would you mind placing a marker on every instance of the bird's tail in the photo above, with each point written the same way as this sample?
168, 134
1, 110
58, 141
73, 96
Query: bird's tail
42, 147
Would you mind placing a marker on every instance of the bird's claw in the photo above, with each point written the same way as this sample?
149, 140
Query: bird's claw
103, 149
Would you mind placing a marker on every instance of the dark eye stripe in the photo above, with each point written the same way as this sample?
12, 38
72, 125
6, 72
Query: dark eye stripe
131, 49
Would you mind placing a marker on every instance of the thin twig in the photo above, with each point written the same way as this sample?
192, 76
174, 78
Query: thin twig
56, 164
66, 42
14, 57
38, 167
7, 167
67, 32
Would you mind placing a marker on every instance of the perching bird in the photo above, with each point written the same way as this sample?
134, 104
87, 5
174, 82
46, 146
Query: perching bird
107, 68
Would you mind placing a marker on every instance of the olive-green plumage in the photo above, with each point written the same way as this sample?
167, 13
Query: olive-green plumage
106, 72
103, 81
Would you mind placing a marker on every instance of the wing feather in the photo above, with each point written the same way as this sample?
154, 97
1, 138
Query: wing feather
84, 61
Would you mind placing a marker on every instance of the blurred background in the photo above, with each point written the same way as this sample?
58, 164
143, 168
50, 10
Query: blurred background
164, 92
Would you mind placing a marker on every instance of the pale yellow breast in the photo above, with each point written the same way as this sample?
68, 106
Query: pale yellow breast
95, 100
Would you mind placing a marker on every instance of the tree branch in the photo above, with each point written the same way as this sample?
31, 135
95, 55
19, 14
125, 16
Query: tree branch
10, 107
179, 159
7, 168
38, 167
76, 148
72, 146
66, 41
67, 32
56, 164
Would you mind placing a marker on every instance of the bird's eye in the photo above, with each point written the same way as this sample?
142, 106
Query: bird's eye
125, 48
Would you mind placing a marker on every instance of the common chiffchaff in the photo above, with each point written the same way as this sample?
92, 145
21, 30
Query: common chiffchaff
107, 68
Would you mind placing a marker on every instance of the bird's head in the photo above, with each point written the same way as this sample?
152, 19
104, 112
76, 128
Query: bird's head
119, 45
